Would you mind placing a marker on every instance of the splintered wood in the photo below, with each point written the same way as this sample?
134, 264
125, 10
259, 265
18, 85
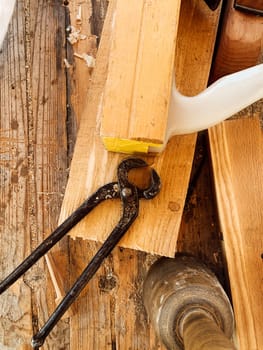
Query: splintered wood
157, 226
82, 48
141, 60
236, 148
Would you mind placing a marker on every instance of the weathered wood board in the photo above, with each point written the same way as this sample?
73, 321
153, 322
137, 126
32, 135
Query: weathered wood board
33, 164
157, 227
236, 148
81, 46
110, 312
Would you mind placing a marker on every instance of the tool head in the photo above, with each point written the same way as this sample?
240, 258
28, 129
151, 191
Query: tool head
130, 163
174, 288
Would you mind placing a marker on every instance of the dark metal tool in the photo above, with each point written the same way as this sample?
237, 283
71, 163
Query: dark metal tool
129, 195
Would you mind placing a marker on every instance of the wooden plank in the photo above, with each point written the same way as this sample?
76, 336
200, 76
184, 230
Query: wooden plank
109, 312
80, 43
236, 148
157, 227
33, 163
140, 76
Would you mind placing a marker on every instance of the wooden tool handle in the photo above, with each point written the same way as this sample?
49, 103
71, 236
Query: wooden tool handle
200, 332
240, 44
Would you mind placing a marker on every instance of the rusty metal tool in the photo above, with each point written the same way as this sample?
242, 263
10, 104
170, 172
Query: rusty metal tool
187, 305
129, 195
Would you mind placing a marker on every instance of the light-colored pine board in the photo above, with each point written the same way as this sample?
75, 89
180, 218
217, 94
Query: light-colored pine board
236, 148
33, 164
140, 76
157, 227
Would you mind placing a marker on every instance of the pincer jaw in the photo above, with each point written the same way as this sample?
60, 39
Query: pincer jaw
130, 163
154, 187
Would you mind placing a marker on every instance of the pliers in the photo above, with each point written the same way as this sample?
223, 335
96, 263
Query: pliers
129, 195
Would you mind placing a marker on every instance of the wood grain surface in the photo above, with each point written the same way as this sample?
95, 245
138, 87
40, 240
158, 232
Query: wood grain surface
140, 76
236, 148
33, 163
